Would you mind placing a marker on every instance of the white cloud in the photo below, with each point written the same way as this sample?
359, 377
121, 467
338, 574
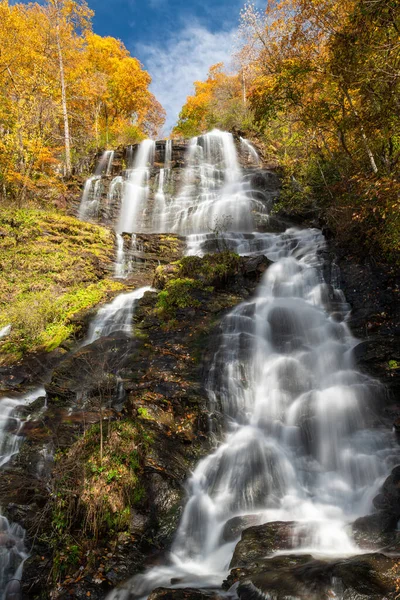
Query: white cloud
184, 57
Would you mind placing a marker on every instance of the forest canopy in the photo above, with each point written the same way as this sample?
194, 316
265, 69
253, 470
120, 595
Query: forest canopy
317, 84
64, 91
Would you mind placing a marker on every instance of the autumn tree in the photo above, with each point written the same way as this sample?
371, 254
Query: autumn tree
63, 92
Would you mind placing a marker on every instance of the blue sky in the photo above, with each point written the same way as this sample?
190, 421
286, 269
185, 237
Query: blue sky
177, 41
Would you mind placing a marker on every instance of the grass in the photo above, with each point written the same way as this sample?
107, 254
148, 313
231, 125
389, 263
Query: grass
52, 267
96, 494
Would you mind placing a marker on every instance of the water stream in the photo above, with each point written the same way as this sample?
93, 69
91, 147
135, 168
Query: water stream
115, 316
12, 536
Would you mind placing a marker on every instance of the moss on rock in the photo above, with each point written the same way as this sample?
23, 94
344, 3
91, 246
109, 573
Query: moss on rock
52, 267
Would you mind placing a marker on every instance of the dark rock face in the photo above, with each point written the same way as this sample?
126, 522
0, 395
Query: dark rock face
373, 290
234, 527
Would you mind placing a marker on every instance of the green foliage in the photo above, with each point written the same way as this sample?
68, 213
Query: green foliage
96, 492
393, 364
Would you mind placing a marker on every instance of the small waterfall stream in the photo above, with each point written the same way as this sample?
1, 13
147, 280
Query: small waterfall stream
12, 536
116, 316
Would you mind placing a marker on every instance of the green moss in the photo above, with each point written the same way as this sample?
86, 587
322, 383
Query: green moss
178, 293
182, 281
51, 268
144, 413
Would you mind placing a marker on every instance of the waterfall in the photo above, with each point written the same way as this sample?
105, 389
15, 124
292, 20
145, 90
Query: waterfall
116, 316
160, 207
168, 154
115, 188
90, 202
250, 152
12, 549
302, 442
119, 267
11, 425
105, 163
5, 331
213, 194
136, 190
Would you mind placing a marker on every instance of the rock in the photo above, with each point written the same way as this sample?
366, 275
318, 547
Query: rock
182, 594
371, 576
83, 371
372, 530
265, 565
234, 527
13, 590
378, 529
262, 540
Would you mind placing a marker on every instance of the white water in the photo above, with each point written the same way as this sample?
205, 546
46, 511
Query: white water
213, 193
250, 152
12, 536
5, 331
168, 154
91, 197
119, 266
115, 316
11, 425
105, 163
136, 190
302, 441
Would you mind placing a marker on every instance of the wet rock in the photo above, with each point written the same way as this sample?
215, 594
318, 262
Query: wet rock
88, 369
261, 541
378, 529
265, 565
13, 590
182, 594
234, 527
371, 576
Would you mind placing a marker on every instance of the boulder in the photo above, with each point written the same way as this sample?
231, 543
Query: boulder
234, 527
262, 540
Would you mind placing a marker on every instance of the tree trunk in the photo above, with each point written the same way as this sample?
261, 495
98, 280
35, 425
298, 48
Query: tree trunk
67, 138
364, 137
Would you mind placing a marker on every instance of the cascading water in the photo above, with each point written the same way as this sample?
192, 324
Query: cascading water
250, 152
89, 205
213, 193
116, 316
136, 190
5, 331
302, 442
105, 163
92, 191
12, 548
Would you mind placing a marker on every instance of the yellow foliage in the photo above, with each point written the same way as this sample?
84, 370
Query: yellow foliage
104, 86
